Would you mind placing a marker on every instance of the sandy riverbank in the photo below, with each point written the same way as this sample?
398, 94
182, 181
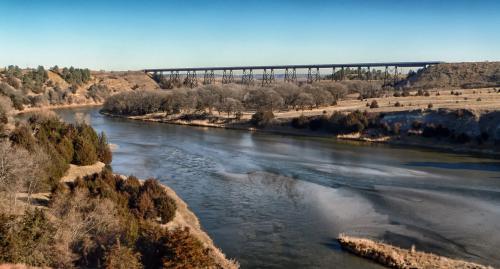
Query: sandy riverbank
395, 257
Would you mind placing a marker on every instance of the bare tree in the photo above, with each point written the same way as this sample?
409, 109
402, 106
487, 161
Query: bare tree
17, 169
79, 217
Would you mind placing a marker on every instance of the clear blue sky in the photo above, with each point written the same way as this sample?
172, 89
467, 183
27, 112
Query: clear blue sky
126, 34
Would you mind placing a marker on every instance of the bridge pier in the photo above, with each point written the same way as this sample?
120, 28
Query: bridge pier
247, 77
191, 79
291, 76
268, 78
313, 76
208, 77
227, 77
174, 77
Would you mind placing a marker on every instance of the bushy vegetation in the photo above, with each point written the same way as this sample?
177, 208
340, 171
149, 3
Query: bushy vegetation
337, 123
98, 221
233, 98
61, 143
262, 118
74, 76
33, 86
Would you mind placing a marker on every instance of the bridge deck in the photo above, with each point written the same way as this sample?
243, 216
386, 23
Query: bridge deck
305, 66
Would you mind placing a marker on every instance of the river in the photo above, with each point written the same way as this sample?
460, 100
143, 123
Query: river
273, 201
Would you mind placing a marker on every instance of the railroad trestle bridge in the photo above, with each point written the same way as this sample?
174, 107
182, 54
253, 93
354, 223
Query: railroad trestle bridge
390, 72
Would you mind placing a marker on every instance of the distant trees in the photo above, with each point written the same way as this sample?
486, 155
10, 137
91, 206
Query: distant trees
75, 76
229, 99
34, 80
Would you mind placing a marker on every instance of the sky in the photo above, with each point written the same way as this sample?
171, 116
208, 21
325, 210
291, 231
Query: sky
133, 35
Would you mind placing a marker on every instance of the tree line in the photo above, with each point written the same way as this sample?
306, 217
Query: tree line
233, 99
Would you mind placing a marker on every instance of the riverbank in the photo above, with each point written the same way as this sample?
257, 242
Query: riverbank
42, 108
282, 126
184, 217
395, 257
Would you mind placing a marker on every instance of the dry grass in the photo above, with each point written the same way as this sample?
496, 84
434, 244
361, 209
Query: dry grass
19, 266
395, 257
468, 99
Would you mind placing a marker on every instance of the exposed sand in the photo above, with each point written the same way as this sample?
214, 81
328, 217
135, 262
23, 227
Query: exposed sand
75, 171
395, 257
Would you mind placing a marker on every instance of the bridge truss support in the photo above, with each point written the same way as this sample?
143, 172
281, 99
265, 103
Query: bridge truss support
227, 77
191, 79
313, 76
247, 77
208, 77
268, 78
291, 75
174, 77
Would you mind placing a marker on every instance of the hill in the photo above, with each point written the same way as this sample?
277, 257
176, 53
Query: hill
456, 75
32, 88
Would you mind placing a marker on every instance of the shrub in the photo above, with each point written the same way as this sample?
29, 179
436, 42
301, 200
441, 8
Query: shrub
374, 104
300, 122
430, 106
185, 251
165, 207
122, 257
318, 123
85, 152
66, 149
397, 104
103, 151
145, 206
262, 118
27, 240
22, 136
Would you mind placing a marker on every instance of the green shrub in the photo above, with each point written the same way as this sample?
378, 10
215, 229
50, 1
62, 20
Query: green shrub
27, 239
103, 151
185, 251
85, 152
262, 118
55, 168
66, 149
165, 207
88, 133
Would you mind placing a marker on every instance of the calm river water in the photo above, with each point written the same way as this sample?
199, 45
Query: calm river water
273, 201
